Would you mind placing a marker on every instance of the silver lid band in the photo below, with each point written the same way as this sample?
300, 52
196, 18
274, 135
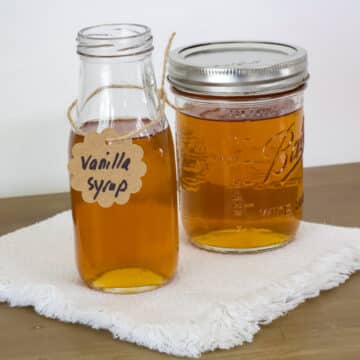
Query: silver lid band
237, 68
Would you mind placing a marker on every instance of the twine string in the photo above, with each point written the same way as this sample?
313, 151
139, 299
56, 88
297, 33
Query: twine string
161, 93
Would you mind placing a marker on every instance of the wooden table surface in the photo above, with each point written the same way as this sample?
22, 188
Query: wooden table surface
327, 327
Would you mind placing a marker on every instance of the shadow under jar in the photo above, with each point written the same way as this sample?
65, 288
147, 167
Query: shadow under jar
240, 138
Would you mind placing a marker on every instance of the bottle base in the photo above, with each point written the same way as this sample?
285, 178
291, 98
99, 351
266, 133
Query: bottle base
128, 281
244, 240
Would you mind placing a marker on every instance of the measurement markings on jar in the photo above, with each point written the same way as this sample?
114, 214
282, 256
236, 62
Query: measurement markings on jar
239, 206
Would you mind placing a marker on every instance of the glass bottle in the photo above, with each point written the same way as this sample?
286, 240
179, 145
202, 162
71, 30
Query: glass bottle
131, 247
240, 134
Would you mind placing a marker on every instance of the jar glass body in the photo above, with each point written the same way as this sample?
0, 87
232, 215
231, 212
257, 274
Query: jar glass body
240, 169
130, 247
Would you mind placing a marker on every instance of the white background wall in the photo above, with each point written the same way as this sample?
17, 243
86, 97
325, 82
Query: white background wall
39, 70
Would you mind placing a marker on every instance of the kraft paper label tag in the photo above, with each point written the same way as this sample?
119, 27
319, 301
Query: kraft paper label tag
104, 171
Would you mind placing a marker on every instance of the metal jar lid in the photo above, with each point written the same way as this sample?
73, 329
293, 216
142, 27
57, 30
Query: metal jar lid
237, 68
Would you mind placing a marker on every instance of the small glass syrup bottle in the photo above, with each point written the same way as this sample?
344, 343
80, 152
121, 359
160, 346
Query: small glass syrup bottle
130, 247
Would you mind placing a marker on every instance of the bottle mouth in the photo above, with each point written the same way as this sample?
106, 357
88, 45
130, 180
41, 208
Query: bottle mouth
114, 40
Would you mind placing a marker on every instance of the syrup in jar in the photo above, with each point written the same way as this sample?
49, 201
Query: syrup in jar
240, 132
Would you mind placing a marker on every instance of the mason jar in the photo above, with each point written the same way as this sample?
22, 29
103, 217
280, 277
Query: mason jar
240, 141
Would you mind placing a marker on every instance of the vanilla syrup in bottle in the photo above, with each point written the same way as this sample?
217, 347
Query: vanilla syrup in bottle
131, 247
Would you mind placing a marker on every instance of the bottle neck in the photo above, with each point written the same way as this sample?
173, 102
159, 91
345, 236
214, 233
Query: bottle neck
114, 89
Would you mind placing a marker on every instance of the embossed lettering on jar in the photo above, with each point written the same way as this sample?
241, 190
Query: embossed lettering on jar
240, 139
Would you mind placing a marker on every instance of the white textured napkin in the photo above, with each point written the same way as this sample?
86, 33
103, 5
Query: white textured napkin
214, 301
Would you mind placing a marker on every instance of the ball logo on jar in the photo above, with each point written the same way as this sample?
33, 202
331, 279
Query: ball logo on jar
288, 153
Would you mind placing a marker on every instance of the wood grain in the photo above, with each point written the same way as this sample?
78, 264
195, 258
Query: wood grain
327, 327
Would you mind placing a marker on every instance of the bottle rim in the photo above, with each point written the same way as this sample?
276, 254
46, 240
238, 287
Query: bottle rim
114, 40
